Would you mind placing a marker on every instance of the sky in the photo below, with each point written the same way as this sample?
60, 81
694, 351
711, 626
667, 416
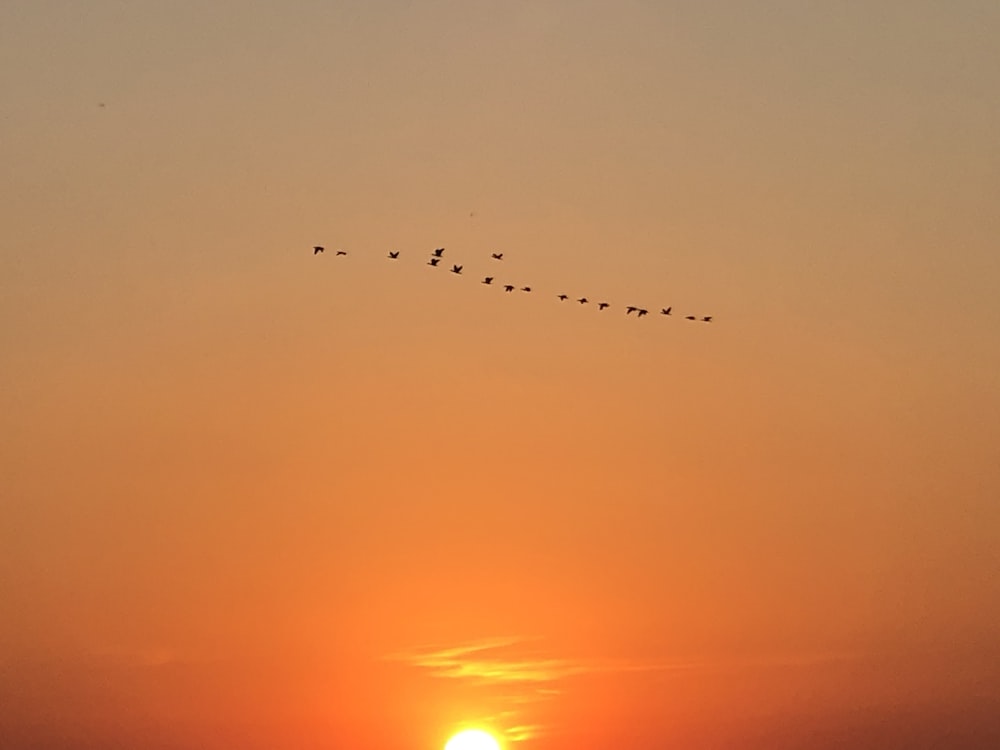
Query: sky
253, 496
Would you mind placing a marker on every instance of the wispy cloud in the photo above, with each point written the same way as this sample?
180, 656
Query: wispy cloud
528, 676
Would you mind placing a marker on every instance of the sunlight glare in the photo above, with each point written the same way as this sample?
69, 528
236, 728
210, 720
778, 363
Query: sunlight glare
472, 739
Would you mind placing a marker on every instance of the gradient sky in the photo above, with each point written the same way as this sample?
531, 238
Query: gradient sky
254, 498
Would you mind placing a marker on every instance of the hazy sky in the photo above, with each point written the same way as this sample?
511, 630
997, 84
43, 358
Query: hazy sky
252, 497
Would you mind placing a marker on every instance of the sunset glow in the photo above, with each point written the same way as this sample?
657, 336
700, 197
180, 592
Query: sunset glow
595, 374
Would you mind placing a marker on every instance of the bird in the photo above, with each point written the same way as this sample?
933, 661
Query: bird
508, 287
488, 280
583, 300
665, 310
690, 317
563, 297
642, 312
394, 254
630, 309
433, 261
602, 305
341, 252
525, 288
497, 256
439, 252
456, 269
707, 319
318, 249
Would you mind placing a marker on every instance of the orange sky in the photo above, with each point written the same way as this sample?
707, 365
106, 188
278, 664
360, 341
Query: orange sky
252, 497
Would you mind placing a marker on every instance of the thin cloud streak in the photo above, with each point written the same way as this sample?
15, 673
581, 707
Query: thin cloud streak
489, 660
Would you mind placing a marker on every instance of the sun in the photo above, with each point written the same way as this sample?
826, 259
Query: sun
473, 739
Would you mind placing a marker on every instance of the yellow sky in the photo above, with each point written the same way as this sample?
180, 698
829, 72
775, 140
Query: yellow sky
254, 497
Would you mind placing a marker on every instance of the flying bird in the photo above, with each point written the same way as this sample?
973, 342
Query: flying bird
497, 256
433, 261
318, 249
341, 252
583, 300
394, 254
508, 287
456, 269
488, 280
642, 312
602, 305
525, 288
707, 319
563, 297
629, 310
690, 317
666, 310
439, 252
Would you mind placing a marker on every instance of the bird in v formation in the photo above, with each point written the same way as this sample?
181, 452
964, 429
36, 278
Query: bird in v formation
438, 253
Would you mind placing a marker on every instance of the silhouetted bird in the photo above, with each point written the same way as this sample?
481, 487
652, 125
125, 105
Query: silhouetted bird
563, 297
629, 310
497, 256
488, 280
394, 254
583, 300
665, 310
525, 288
456, 269
318, 249
602, 305
707, 319
642, 312
690, 317
439, 252
433, 261
341, 252
508, 287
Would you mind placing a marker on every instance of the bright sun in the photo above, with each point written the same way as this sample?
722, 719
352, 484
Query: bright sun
472, 739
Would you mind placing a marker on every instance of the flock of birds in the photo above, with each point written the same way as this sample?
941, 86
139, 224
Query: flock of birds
437, 255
